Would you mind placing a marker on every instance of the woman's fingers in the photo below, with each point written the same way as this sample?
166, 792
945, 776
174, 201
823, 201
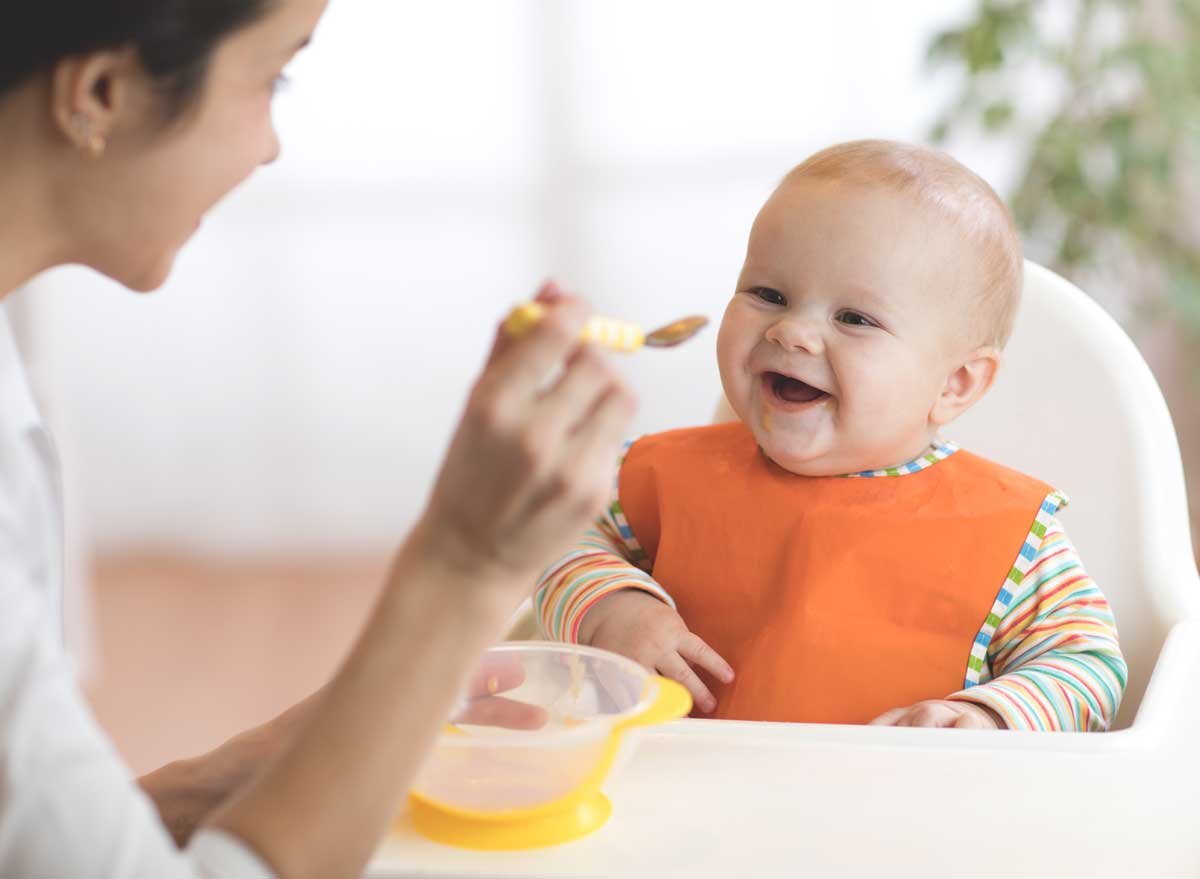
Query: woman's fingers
594, 446
565, 407
676, 668
497, 674
514, 487
522, 366
699, 654
580, 473
548, 294
506, 713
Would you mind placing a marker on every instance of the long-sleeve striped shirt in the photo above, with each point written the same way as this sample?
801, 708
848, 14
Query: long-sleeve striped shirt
1050, 658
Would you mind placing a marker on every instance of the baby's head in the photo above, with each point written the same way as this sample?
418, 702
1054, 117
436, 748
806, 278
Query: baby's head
880, 285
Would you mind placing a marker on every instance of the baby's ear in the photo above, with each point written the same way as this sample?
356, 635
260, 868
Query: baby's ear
965, 386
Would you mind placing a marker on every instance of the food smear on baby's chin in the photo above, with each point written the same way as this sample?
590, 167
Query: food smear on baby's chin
768, 416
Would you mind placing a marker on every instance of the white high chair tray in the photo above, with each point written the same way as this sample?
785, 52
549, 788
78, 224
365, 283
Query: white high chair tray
720, 799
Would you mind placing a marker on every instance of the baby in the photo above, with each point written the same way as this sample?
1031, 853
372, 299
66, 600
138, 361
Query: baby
829, 557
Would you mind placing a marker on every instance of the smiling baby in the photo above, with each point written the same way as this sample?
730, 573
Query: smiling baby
831, 557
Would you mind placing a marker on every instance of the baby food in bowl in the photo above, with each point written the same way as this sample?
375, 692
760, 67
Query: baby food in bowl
531, 742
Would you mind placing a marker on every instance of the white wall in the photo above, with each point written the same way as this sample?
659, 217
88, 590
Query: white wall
292, 386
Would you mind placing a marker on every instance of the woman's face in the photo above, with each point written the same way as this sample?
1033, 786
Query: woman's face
154, 184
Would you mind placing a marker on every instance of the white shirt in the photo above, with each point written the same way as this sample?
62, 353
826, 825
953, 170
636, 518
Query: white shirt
69, 807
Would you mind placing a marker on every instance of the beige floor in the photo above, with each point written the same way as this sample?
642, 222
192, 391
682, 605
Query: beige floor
189, 652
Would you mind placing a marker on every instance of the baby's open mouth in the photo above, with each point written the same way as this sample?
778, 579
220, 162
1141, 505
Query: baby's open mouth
791, 390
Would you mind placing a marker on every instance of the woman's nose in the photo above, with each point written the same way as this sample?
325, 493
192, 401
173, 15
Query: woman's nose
794, 332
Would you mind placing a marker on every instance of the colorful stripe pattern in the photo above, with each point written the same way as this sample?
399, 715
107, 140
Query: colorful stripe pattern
977, 662
939, 451
1053, 662
1046, 657
607, 559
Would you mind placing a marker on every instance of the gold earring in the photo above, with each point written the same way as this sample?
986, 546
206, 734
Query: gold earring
96, 146
90, 142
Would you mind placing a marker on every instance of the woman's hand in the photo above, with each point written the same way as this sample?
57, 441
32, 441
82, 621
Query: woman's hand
532, 459
530, 464
485, 707
186, 792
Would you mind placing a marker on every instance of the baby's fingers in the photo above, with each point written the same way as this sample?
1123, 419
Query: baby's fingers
698, 654
973, 720
889, 718
676, 668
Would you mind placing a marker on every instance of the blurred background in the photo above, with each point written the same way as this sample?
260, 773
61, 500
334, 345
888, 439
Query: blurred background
244, 448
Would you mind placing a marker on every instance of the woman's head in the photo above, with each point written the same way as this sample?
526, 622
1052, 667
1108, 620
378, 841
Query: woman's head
134, 117
174, 39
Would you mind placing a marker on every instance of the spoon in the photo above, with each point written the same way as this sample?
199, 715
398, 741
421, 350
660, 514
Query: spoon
614, 334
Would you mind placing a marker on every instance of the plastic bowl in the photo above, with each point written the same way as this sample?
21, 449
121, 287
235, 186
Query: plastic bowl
522, 765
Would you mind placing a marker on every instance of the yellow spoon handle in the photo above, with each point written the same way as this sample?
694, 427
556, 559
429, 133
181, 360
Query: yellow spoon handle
614, 334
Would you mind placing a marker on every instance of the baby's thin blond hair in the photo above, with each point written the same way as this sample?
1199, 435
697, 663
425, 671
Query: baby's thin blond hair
949, 187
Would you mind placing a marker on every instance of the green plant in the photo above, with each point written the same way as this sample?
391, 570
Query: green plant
1104, 95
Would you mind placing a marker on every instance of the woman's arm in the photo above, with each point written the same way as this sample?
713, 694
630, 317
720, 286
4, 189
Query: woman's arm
528, 467
186, 792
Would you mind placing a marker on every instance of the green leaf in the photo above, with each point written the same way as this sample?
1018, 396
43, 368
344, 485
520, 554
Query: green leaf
1111, 167
997, 115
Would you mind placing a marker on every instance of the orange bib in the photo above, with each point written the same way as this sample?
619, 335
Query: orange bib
833, 598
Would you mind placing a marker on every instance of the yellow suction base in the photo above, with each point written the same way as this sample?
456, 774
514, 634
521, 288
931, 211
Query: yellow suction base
523, 831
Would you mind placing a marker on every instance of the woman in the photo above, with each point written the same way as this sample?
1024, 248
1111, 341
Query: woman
121, 123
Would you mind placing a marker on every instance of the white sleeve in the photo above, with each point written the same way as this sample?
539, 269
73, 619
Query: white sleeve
68, 805
218, 854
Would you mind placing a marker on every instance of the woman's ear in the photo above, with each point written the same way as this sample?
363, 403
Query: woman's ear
965, 386
90, 93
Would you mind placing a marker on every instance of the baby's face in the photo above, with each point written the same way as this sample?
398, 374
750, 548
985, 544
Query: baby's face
844, 327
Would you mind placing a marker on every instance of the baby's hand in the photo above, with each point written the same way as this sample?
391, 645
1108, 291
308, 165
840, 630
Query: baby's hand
943, 713
638, 625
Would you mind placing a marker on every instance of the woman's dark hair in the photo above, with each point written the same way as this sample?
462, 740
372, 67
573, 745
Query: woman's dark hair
175, 39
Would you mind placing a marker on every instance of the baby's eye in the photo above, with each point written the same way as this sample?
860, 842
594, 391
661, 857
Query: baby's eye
766, 294
855, 319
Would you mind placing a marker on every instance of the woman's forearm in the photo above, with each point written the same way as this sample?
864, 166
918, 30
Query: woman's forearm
322, 805
529, 465
187, 792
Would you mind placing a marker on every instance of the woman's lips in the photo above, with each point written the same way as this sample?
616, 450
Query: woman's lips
789, 393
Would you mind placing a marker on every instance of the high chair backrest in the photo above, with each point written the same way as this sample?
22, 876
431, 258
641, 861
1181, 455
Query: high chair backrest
1076, 405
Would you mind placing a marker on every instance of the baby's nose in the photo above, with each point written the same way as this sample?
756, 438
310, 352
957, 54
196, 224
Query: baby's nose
796, 332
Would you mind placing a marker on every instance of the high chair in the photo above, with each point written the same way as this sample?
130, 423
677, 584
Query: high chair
1076, 406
